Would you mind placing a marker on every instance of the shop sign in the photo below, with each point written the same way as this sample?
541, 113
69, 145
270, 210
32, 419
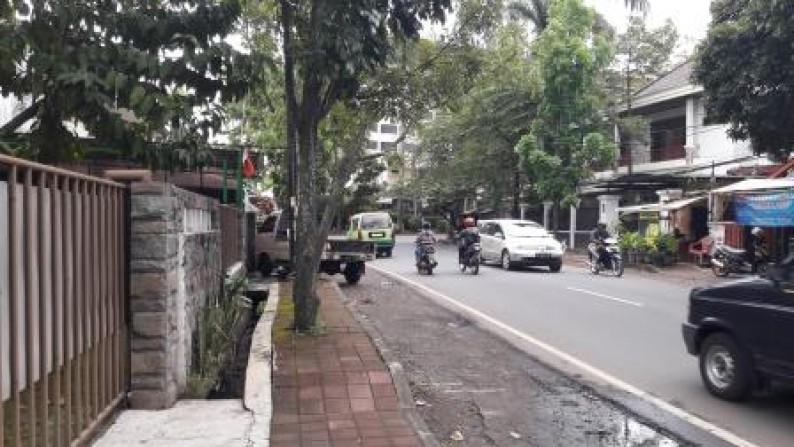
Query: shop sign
766, 210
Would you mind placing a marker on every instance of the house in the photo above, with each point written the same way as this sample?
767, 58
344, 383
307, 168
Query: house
680, 156
386, 137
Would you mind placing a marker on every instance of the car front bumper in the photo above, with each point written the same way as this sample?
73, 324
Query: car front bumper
689, 331
535, 258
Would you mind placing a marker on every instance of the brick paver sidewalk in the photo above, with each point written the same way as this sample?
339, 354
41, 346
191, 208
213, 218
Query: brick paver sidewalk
333, 389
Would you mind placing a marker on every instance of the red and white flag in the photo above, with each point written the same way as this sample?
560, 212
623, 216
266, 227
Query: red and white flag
248, 165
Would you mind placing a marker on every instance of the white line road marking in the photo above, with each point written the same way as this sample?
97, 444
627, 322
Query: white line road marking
606, 297
580, 364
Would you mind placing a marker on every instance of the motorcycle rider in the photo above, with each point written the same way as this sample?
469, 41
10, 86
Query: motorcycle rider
758, 252
597, 238
423, 238
468, 236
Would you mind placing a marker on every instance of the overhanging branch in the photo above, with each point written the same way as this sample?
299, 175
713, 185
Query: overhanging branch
21, 118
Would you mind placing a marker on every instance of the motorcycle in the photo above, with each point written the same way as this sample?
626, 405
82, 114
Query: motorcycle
608, 259
726, 260
427, 259
471, 258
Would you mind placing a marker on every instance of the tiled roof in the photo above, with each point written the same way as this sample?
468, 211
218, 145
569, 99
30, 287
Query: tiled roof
677, 77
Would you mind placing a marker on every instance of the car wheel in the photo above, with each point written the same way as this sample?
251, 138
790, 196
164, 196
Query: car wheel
265, 265
506, 264
725, 367
352, 274
555, 267
388, 253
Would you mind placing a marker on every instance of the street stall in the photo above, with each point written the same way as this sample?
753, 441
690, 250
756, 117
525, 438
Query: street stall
663, 231
687, 215
766, 203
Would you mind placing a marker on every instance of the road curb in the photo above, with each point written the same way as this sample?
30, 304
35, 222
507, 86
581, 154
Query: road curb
405, 397
258, 398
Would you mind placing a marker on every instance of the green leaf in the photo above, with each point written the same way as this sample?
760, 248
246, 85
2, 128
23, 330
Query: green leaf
137, 95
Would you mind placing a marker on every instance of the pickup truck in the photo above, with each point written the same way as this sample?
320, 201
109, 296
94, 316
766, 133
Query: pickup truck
743, 332
340, 255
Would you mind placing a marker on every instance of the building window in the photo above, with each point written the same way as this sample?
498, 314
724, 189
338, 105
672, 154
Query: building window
409, 147
372, 146
388, 128
388, 147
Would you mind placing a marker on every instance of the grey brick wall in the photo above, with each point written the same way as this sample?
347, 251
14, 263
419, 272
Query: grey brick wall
174, 272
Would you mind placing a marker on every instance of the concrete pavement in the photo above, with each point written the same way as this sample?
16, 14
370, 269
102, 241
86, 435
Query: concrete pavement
627, 328
211, 423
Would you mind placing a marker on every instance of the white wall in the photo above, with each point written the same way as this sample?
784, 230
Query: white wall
713, 143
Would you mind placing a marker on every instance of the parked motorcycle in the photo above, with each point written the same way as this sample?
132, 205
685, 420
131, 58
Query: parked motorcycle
609, 259
471, 258
726, 260
427, 259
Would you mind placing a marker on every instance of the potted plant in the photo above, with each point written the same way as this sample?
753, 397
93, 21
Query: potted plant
668, 247
630, 245
651, 246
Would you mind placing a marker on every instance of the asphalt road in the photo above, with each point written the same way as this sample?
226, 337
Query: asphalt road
627, 327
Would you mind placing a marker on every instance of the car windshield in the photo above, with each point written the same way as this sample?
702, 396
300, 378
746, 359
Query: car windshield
525, 230
375, 222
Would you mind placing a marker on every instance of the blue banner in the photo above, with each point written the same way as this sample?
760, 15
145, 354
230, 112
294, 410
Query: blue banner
766, 210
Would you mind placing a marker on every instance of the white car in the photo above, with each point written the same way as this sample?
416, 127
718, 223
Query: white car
514, 243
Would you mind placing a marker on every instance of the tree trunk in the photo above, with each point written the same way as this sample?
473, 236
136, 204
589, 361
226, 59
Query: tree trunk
307, 256
517, 189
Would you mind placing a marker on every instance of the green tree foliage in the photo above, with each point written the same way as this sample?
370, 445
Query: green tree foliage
646, 52
643, 54
567, 136
126, 70
470, 147
747, 71
329, 48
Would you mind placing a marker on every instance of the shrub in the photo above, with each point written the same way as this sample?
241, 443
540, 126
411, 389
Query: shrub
630, 242
667, 243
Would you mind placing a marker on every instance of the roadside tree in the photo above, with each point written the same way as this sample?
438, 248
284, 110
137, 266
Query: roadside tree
328, 48
567, 138
127, 71
746, 69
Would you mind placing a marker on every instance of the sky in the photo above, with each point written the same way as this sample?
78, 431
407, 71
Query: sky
691, 17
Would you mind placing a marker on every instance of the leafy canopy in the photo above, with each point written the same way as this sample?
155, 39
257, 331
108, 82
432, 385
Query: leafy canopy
469, 149
747, 71
125, 69
567, 135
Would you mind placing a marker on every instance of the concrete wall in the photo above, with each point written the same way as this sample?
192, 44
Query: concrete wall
174, 272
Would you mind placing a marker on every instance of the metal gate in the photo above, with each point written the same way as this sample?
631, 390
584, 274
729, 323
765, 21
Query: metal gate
63, 348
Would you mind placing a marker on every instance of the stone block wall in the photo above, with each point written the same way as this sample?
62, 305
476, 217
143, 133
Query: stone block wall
174, 272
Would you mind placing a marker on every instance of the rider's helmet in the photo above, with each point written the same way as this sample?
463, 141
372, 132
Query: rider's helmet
757, 231
468, 222
425, 225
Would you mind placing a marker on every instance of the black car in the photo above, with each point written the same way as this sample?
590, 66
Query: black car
743, 332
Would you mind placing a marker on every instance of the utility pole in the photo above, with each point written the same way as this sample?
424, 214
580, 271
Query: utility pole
628, 105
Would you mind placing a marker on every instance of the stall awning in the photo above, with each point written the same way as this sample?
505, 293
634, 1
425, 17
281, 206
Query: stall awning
682, 203
758, 184
648, 207
656, 207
